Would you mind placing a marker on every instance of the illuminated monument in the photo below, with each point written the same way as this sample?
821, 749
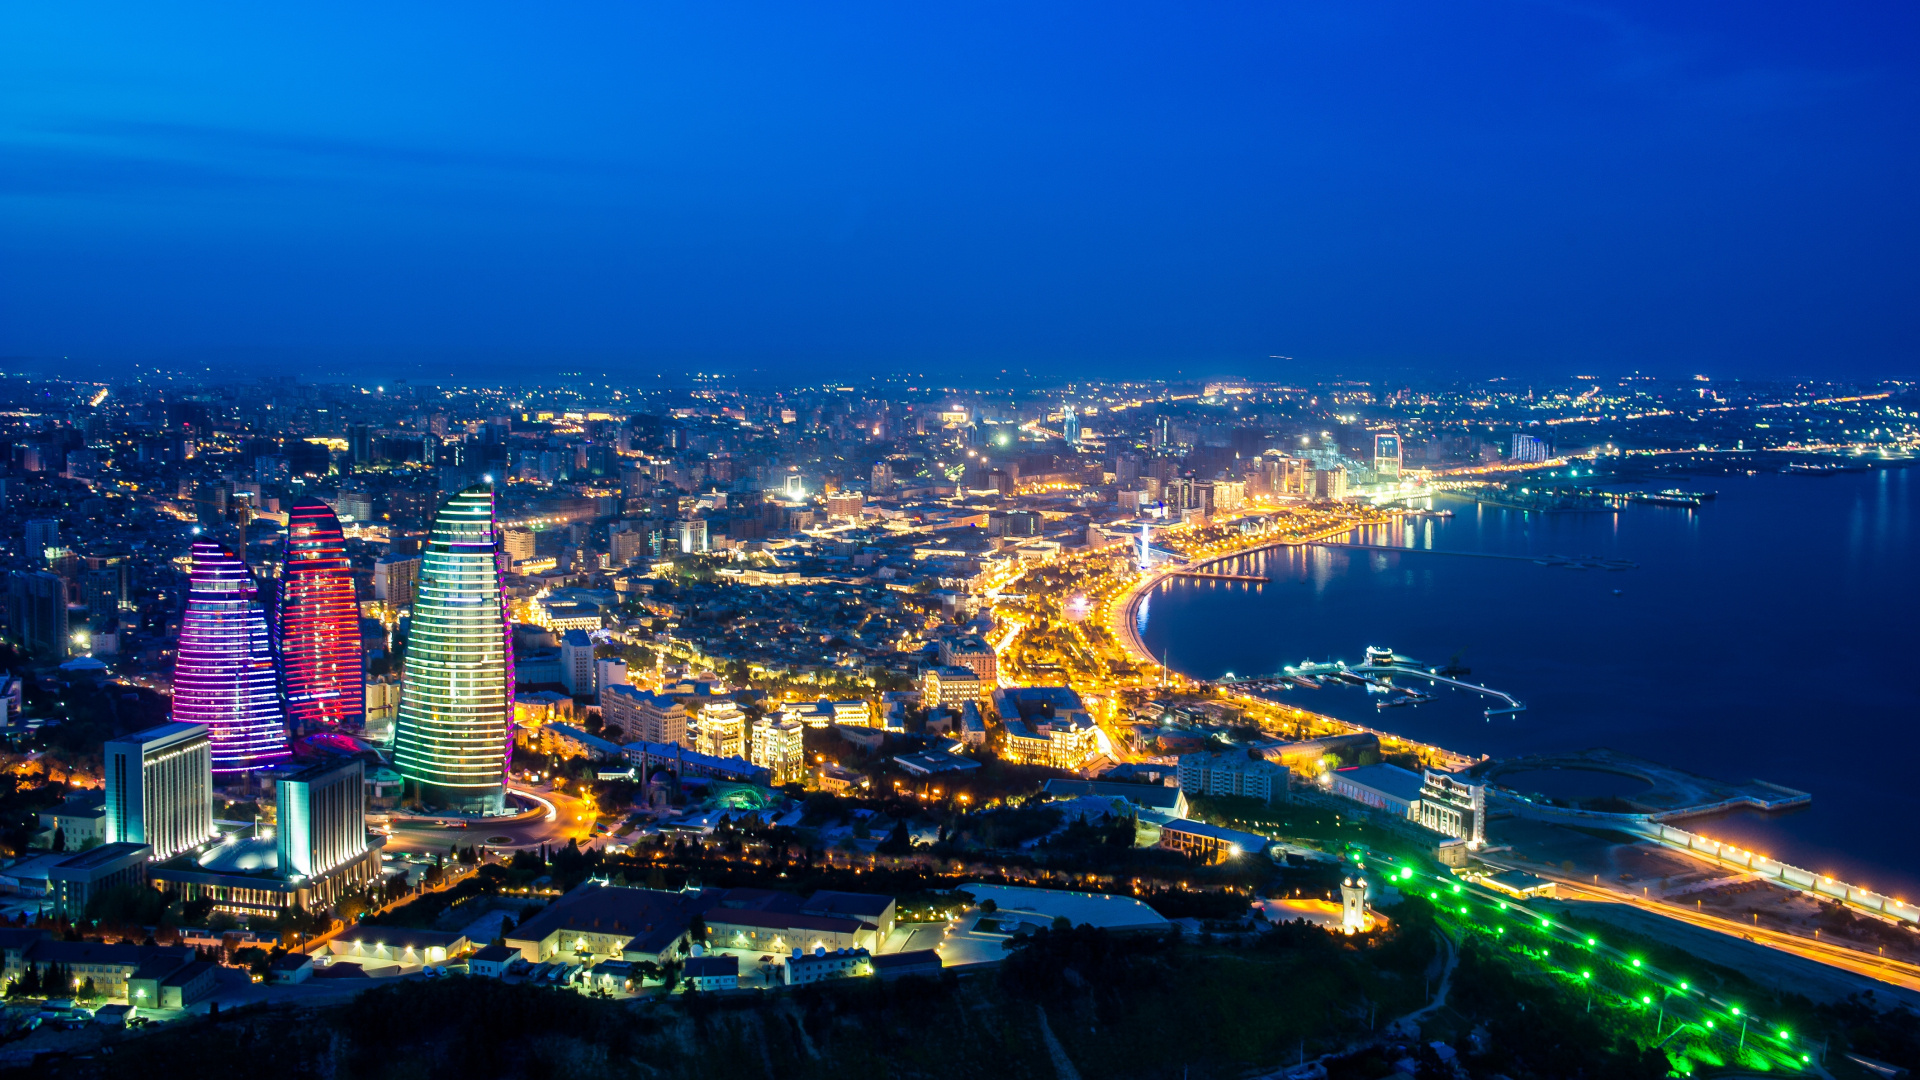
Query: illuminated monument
225, 675
319, 625
450, 738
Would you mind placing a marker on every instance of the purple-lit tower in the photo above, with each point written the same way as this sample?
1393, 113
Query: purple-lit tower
225, 677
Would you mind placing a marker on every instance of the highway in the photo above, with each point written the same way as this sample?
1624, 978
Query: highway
1895, 972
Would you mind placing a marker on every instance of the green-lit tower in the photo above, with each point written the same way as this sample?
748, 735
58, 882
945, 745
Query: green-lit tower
456, 700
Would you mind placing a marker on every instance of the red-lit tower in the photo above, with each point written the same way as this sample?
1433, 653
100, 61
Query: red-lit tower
321, 667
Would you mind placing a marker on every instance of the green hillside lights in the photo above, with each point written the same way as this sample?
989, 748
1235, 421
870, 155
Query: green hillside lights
1636, 961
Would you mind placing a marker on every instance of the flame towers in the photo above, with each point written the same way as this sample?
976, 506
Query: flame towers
319, 625
225, 676
450, 739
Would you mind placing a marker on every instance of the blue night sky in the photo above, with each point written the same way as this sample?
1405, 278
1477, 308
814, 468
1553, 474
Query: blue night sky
1115, 187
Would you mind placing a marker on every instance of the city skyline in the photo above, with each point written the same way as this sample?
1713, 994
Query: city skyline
1045, 541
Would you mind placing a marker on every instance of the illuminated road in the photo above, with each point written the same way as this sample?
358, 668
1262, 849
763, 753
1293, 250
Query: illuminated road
1895, 972
570, 818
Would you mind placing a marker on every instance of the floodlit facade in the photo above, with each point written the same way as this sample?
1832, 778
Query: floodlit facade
159, 787
1453, 806
225, 677
319, 625
450, 739
323, 818
779, 746
723, 730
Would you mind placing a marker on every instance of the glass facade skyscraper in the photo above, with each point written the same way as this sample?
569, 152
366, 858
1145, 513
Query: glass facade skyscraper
450, 739
224, 677
319, 625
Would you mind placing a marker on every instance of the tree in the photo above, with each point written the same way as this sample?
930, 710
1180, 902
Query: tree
87, 990
988, 907
255, 958
898, 842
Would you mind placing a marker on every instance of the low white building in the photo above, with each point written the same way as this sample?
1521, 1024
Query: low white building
820, 965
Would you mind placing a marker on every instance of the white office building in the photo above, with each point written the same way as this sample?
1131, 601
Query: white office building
160, 788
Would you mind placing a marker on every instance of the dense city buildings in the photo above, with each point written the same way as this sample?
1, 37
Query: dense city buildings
895, 625
319, 625
451, 733
225, 677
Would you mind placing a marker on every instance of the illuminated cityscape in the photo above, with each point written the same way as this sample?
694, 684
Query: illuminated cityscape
1226, 542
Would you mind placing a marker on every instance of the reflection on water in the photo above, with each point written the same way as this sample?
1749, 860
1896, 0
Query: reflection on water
1749, 641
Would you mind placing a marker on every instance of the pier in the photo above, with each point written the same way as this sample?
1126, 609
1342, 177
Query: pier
1211, 575
1513, 703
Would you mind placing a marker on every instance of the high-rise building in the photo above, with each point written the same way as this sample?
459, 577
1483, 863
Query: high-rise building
517, 543
693, 535
608, 671
322, 818
941, 687
1070, 427
779, 746
396, 579
450, 739
322, 670
638, 715
576, 663
42, 533
360, 443
1386, 457
1330, 484
1531, 449
723, 730
104, 587
160, 788
37, 613
224, 676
